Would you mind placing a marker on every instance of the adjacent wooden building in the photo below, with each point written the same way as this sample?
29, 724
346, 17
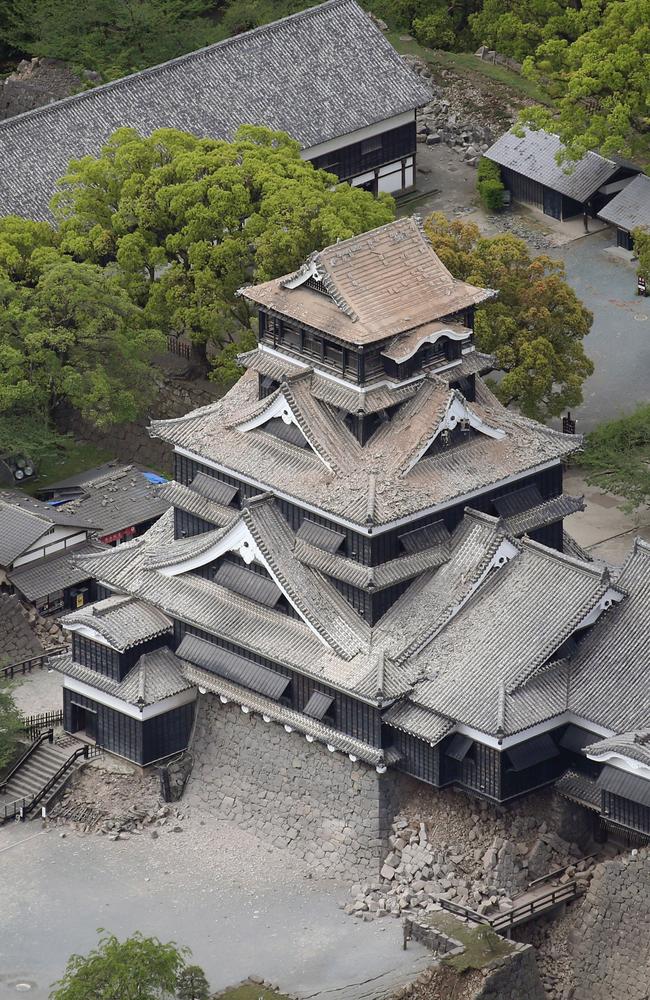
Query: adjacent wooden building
327, 76
532, 175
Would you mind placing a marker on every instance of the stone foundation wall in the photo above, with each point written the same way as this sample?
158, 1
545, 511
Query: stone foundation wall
332, 813
610, 940
514, 977
175, 397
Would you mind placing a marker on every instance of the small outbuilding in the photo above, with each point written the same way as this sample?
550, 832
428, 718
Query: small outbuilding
532, 175
629, 210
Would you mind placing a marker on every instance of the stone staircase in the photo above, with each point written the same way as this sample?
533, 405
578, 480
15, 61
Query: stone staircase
34, 774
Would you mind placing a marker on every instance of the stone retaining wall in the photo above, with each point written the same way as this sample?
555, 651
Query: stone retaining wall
432, 938
513, 977
333, 813
610, 940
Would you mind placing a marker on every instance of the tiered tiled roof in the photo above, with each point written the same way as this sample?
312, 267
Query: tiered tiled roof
319, 74
609, 675
337, 474
155, 676
491, 665
375, 286
40, 577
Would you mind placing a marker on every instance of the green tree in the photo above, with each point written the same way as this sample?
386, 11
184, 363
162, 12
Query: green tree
641, 243
535, 327
187, 221
113, 37
70, 335
599, 78
192, 984
138, 968
616, 457
10, 726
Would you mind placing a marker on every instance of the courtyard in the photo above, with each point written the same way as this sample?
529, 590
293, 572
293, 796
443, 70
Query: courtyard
243, 907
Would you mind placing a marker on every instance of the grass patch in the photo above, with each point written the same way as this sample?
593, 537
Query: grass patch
248, 991
464, 62
73, 457
481, 944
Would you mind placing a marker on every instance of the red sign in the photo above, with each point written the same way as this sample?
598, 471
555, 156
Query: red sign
118, 536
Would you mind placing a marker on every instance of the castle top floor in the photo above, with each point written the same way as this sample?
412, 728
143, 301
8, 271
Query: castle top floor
381, 305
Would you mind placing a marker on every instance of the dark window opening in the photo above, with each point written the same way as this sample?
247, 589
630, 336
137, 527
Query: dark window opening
290, 433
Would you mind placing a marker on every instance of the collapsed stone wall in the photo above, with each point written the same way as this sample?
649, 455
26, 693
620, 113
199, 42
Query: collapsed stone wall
334, 814
610, 940
447, 846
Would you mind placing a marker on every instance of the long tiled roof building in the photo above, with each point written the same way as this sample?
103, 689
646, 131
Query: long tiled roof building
327, 76
364, 547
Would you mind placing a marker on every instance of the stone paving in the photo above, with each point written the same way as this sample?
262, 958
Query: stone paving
238, 903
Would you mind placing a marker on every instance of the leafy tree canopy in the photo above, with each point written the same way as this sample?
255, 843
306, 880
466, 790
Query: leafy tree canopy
10, 725
138, 968
185, 222
113, 37
69, 333
616, 457
535, 327
599, 76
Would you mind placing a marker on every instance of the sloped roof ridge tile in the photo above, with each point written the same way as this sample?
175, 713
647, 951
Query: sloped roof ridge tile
590, 568
187, 548
338, 634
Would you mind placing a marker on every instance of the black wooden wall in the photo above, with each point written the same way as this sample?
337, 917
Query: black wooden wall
121, 734
359, 157
376, 549
109, 662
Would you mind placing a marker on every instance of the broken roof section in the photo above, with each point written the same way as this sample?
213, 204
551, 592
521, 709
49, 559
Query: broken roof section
370, 287
318, 75
113, 497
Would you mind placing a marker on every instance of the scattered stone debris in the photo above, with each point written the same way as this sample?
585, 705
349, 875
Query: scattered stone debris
514, 225
489, 858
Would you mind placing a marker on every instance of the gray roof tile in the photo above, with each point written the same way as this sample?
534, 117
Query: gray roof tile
122, 620
635, 745
119, 499
56, 572
155, 676
609, 675
578, 788
631, 208
317, 75
533, 155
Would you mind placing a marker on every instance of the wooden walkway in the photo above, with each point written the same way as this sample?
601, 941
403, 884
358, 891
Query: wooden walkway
536, 902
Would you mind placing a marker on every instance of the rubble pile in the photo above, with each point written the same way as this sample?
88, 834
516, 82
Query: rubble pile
482, 870
441, 121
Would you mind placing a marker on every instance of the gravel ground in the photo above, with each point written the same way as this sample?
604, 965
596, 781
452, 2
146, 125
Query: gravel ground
243, 907
38, 692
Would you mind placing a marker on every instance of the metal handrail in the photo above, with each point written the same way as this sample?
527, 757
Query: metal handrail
81, 752
47, 735
25, 666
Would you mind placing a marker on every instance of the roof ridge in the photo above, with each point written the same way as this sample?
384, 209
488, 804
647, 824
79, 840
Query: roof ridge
590, 567
187, 57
